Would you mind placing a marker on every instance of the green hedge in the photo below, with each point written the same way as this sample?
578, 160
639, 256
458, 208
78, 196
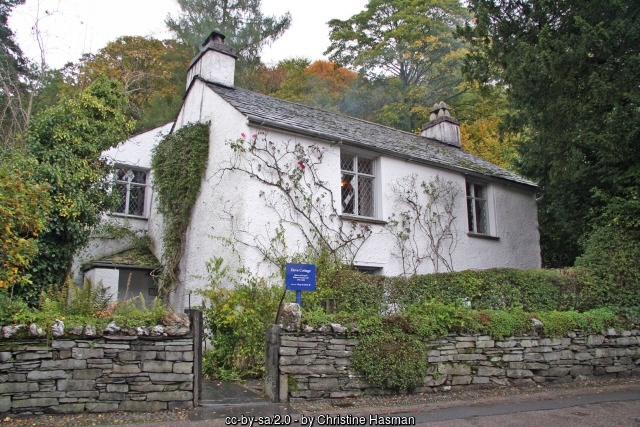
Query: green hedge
577, 289
494, 289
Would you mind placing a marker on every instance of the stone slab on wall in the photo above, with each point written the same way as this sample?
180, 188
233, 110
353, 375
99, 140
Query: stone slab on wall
314, 365
99, 375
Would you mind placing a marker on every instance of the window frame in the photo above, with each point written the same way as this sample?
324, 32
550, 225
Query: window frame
471, 207
129, 184
354, 183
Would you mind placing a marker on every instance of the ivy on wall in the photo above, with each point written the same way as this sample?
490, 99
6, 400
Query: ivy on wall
179, 162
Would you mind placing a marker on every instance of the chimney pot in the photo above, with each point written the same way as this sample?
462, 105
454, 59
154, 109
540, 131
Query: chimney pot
215, 62
441, 126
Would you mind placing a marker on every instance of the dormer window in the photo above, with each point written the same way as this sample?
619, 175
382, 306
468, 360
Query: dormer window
357, 185
131, 185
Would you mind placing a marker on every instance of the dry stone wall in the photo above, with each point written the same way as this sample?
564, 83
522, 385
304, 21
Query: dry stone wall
314, 365
98, 375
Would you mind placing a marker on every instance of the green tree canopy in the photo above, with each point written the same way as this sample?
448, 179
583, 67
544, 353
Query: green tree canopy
13, 70
409, 44
571, 68
241, 21
67, 141
150, 71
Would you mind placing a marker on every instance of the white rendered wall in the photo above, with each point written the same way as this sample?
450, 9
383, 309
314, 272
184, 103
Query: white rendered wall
231, 197
215, 67
218, 193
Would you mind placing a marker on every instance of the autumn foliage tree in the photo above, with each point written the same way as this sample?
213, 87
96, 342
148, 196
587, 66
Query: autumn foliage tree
150, 71
23, 212
320, 84
485, 118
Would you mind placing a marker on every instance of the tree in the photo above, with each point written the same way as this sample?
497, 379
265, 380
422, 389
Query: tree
411, 40
321, 84
484, 117
13, 90
23, 212
67, 141
572, 72
151, 73
241, 21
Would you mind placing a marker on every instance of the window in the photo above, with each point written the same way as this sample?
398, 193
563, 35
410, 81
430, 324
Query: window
477, 208
357, 184
131, 185
367, 269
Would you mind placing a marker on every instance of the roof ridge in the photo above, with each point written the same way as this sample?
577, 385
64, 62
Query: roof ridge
323, 110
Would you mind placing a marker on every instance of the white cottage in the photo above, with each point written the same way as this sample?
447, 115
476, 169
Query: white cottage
388, 201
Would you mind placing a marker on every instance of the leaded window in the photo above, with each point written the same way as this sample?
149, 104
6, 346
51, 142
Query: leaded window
477, 208
357, 183
131, 185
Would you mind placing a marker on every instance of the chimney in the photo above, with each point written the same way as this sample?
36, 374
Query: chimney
216, 61
441, 126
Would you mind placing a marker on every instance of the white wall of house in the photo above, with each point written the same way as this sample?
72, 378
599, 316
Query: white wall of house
513, 215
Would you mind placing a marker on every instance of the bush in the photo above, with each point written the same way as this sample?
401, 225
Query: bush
350, 290
494, 289
612, 264
12, 310
501, 324
558, 323
236, 320
434, 320
391, 358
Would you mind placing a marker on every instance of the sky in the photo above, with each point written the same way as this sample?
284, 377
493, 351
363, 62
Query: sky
70, 28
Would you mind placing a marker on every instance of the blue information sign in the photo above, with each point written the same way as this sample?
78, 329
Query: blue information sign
300, 277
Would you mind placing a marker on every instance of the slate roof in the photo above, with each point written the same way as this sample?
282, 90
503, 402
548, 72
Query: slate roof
272, 112
135, 258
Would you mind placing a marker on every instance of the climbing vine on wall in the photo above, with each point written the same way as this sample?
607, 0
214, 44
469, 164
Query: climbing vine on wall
423, 222
293, 188
179, 163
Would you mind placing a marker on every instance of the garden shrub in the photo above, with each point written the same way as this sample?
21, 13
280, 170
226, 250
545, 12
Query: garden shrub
493, 289
502, 323
391, 358
350, 289
558, 323
11, 309
612, 265
133, 312
235, 322
598, 319
434, 320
